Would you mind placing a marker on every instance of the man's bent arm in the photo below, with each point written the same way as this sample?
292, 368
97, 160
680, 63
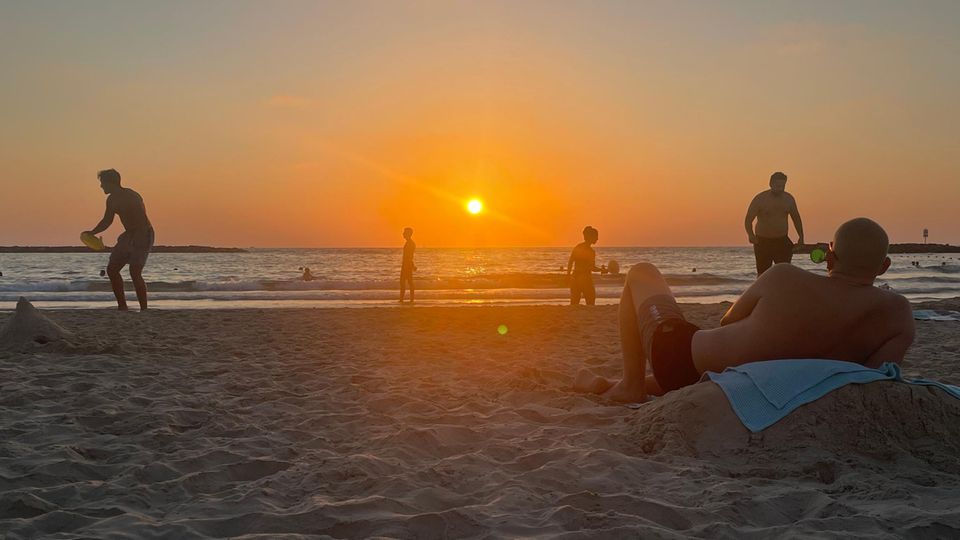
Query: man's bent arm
797, 222
748, 220
106, 221
743, 307
894, 349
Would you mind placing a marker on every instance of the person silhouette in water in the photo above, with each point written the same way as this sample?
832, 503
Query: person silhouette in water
580, 268
406, 266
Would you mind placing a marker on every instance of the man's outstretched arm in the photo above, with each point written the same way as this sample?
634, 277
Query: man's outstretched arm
107, 219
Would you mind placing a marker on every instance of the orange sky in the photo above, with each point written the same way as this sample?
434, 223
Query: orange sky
337, 125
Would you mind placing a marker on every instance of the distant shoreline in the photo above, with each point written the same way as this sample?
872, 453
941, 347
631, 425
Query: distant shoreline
83, 249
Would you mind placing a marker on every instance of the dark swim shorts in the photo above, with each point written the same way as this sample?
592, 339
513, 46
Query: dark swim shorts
667, 339
770, 251
133, 248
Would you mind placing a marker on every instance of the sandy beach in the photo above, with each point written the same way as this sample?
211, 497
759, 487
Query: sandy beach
426, 422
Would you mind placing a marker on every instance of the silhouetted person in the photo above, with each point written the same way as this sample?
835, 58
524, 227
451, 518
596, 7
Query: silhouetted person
134, 244
580, 268
307, 276
406, 266
787, 312
770, 208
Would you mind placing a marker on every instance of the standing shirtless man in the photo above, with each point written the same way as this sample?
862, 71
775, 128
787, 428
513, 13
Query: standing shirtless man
786, 313
770, 208
134, 244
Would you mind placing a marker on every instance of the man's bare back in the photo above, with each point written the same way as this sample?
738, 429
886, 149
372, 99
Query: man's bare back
128, 205
792, 313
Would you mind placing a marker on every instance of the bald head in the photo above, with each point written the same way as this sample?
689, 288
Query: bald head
861, 246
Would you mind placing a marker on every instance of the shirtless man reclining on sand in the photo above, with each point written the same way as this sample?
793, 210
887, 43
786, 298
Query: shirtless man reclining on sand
786, 313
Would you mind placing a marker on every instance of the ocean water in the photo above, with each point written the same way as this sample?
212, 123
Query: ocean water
265, 278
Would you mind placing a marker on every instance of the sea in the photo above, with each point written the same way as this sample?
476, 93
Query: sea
272, 278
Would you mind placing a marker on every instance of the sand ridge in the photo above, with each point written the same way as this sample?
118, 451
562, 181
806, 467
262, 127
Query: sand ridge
427, 423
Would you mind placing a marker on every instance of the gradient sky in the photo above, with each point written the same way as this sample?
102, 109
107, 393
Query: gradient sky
334, 124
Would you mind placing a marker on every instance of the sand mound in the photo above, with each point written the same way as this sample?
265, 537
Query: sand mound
30, 330
880, 423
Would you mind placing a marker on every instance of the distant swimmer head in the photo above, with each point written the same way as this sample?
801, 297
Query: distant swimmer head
109, 180
778, 182
590, 235
859, 248
407, 232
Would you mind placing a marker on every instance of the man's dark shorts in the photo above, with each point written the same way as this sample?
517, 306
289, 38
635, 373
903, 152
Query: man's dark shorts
667, 341
772, 250
133, 248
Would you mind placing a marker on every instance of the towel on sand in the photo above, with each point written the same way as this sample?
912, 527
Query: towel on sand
934, 315
762, 393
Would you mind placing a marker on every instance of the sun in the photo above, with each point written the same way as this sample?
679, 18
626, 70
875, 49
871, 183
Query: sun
475, 206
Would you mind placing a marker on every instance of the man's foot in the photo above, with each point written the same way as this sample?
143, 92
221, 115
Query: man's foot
589, 382
622, 392
122, 308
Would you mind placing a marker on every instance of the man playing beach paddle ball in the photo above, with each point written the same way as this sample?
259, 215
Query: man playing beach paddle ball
134, 244
786, 313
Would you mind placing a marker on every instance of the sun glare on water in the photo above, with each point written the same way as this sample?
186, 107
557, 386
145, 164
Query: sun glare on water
475, 206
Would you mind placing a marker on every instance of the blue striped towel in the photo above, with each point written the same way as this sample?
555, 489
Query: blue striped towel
763, 393
934, 315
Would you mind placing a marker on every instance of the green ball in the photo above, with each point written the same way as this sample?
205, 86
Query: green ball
502, 329
818, 255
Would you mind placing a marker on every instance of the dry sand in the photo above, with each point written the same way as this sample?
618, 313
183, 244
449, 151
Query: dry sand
427, 423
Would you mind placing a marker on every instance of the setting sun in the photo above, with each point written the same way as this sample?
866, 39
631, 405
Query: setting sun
475, 206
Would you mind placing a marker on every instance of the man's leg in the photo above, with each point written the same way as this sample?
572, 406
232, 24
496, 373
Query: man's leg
761, 251
136, 275
574, 291
410, 280
590, 292
643, 281
784, 251
403, 285
116, 282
